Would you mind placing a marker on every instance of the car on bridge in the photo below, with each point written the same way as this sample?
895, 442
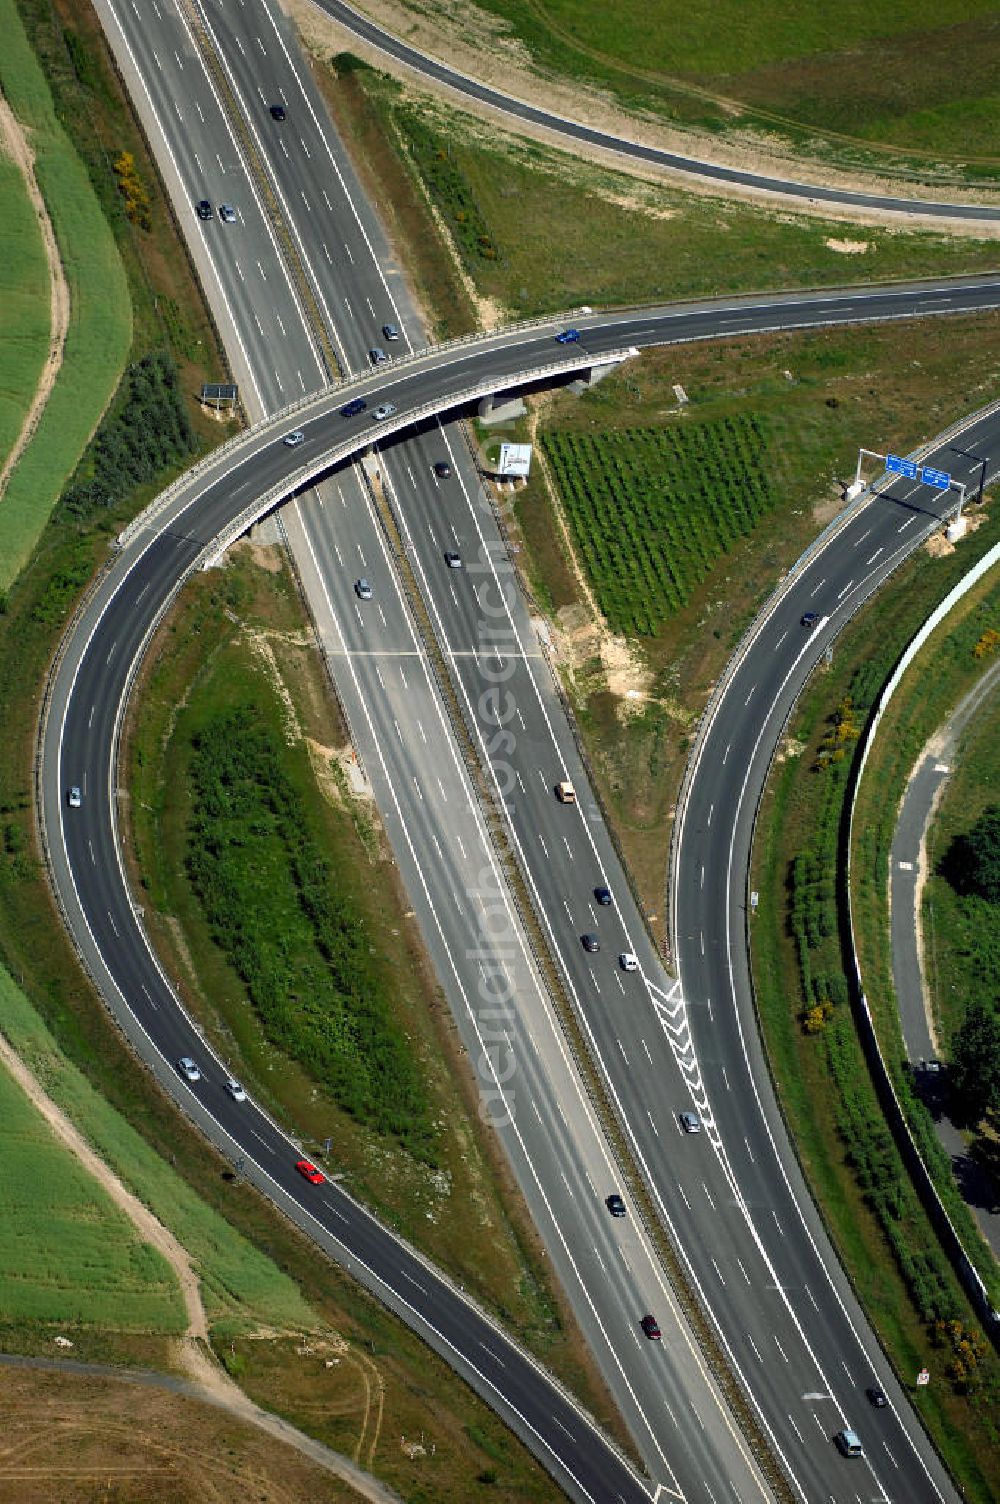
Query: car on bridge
568, 337
293, 440
352, 408
383, 411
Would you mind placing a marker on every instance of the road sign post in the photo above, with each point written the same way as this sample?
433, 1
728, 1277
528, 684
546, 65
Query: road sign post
923, 1378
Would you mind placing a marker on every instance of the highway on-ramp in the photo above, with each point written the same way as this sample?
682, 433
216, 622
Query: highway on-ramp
575, 132
653, 1062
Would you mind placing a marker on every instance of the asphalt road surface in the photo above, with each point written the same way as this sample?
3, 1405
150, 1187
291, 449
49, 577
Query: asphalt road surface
369, 650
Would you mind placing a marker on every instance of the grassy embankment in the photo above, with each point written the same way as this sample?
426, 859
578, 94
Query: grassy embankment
24, 297
322, 999
960, 931
532, 231
847, 1152
100, 325
850, 89
414, 1390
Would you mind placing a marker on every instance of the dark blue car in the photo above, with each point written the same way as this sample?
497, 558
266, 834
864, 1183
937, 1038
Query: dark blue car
568, 337
352, 408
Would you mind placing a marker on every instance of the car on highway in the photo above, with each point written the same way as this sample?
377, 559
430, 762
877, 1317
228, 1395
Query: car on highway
568, 337
651, 1327
565, 792
352, 408
590, 943
235, 1089
876, 1396
615, 1205
73, 797
363, 590
690, 1122
442, 470
227, 214
188, 1069
603, 896
204, 209
390, 331
384, 410
293, 440
278, 112
810, 620
849, 1443
628, 961
377, 355
452, 559
314, 1176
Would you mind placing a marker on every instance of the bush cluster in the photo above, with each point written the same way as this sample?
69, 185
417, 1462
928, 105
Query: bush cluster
295, 936
146, 431
138, 208
447, 186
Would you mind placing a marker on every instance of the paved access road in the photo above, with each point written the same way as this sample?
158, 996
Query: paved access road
573, 131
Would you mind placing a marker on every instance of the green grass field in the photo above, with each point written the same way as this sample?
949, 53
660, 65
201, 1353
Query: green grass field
537, 231
100, 329
67, 1253
861, 70
24, 301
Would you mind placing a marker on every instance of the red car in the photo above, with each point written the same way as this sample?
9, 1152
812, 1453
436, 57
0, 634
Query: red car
651, 1327
314, 1176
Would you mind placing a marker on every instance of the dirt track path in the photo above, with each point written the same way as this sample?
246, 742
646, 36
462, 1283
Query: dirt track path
14, 144
210, 1382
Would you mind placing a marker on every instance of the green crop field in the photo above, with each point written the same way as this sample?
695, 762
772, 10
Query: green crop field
653, 509
67, 1253
861, 69
100, 328
24, 304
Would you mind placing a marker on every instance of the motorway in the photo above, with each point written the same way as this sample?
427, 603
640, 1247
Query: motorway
481, 622
573, 132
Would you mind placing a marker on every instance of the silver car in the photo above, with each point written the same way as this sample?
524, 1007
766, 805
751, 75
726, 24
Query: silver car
188, 1069
385, 410
363, 590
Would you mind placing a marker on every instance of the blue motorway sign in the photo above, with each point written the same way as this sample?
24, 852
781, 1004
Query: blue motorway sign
939, 478
896, 465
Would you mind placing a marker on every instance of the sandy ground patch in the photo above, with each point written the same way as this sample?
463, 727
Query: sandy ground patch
849, 247
14, 144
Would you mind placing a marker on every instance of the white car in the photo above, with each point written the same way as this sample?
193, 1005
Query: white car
235, 1090
74, 798
293, 440
227, 214
188, 1069
628, 962
385, 410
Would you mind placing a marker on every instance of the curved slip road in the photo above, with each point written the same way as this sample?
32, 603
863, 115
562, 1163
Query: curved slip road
93, 678
573, 131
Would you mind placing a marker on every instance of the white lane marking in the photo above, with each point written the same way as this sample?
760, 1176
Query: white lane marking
755, 1347
872, 557
819, 586
708, 1195
779, 1346
719, 1273
653, 1125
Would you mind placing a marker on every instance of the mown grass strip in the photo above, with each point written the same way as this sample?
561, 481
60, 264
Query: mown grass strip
24, 299
240, 1286
100, 325
67, 1253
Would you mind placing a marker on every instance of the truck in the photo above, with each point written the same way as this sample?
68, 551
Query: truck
565, 792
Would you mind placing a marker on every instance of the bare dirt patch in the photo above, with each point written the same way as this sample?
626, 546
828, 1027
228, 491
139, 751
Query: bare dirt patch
849, 247
14, 143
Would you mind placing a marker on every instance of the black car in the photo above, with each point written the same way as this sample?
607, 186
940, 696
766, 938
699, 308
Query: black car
277, 112
876, 1396
603, 896
442, 470
615, 1205
205, 210
352, 408
590, 942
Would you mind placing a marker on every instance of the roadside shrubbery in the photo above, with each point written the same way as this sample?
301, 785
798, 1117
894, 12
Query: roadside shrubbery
146, 431
295, 938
